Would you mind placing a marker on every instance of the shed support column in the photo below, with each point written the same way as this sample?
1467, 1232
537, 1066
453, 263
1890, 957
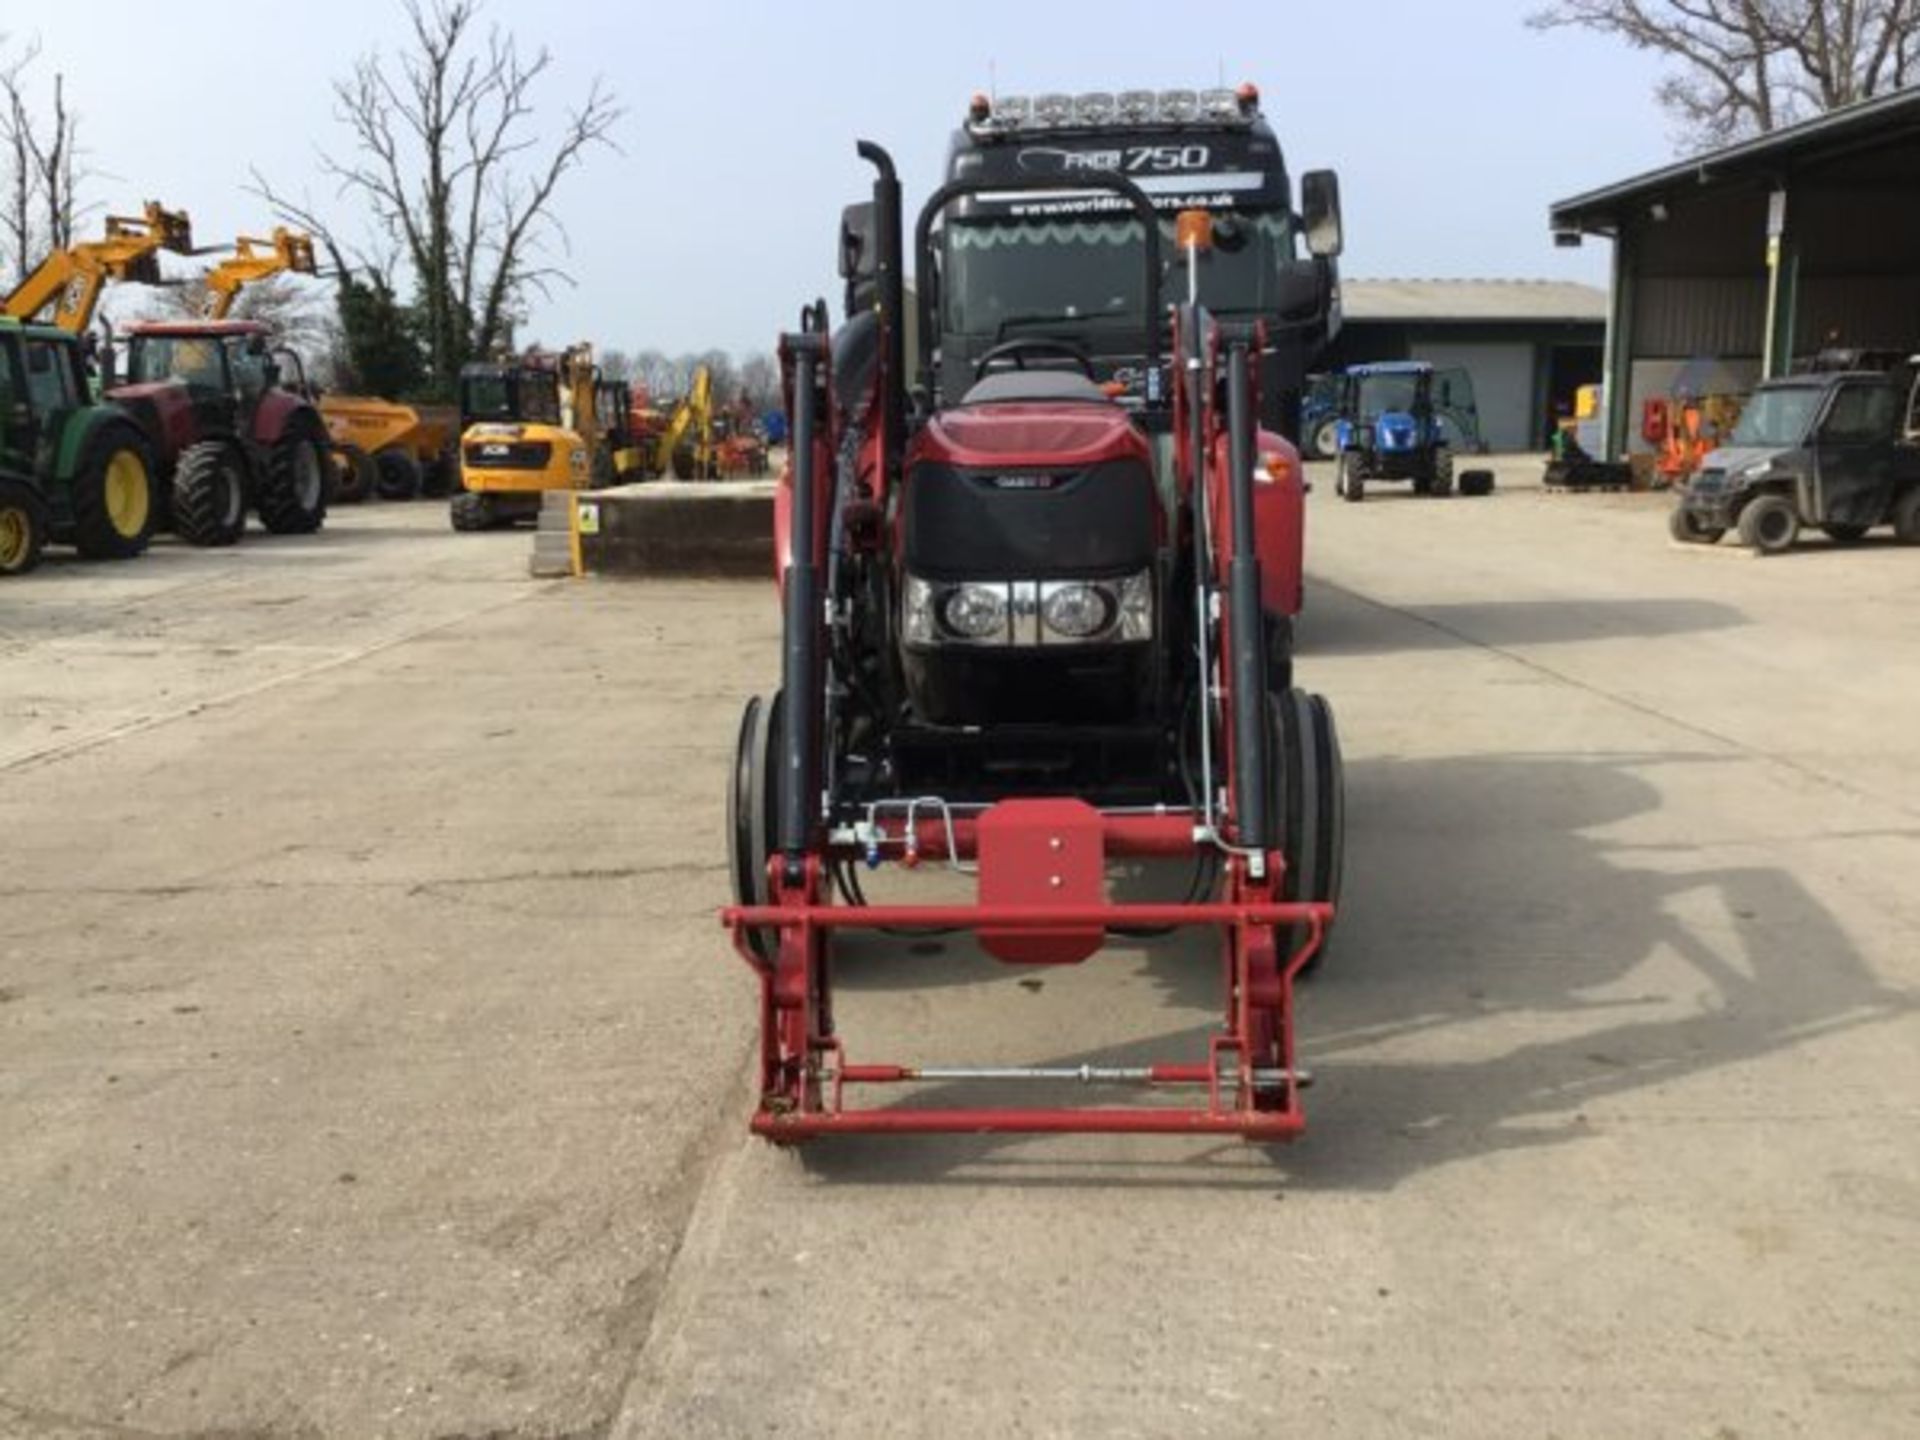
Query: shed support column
1783, 289
1617, 367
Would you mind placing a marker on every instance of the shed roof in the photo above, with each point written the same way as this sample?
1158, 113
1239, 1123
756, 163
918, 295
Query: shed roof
1471, 302
1882, 119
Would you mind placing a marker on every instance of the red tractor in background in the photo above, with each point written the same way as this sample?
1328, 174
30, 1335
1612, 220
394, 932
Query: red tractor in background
1030, 628
228, 433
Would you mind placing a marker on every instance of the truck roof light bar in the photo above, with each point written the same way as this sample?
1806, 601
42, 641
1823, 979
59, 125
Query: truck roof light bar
1103, 109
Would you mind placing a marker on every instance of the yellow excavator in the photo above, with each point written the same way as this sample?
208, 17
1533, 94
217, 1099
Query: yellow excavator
688, 442
69, 281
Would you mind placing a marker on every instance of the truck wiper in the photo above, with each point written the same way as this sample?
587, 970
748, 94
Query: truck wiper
1035, 317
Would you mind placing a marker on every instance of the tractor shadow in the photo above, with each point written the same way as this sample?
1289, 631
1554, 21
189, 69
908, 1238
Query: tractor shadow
1352, 626
1502, 966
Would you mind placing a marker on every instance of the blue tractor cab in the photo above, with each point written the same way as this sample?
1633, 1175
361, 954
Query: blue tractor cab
1403, 420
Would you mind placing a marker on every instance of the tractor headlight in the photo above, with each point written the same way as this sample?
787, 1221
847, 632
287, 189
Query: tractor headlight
1073, 611
975, 612
1028, 613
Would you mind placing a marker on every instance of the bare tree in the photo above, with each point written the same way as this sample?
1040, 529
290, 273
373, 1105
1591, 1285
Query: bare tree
760, 382
40, 151
1744, 67
616, 365
444, 156
294, 310
661, 376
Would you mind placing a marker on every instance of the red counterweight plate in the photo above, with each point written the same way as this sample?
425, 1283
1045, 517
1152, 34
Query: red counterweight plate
1041, 853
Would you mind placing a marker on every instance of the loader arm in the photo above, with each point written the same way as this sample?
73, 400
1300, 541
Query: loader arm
69, 281
288, 253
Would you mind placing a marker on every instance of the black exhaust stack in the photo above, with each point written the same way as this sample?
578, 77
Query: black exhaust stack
1246, 628
800, 674
893, 301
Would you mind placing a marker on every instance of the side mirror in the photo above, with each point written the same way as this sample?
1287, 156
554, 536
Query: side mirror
859, 242
1320, 213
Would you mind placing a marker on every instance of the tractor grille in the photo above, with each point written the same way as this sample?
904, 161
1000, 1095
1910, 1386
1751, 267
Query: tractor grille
509, 454
1021, 524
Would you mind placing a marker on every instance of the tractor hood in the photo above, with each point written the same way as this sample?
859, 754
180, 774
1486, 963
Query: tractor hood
1036, 435
1731, 460
1397, 432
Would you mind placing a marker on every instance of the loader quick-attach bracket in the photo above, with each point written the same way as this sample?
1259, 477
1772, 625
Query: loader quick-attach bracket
1251, 1082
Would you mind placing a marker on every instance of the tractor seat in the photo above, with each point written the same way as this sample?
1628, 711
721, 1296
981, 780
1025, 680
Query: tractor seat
1008, 385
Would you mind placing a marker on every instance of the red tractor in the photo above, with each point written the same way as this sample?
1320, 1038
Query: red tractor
1030, 629
228, 434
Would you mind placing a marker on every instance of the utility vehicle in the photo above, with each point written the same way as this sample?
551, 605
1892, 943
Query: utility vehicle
1834, 451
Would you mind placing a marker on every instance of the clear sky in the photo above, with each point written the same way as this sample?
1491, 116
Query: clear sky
1452, 125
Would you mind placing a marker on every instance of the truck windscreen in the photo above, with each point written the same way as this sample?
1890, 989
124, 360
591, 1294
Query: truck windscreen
1778, 419
1007, 276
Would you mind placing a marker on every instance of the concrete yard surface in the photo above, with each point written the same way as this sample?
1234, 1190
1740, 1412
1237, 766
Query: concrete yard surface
371, 1063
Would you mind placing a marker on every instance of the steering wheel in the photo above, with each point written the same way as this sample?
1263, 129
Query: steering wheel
1017, 350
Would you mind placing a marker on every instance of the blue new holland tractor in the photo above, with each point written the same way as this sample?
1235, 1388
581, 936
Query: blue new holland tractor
1402, 420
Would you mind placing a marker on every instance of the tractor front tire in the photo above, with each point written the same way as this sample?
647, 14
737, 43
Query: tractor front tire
23, 526
1686, 528
1906, 517
1324, 442
1310, 807
397, 474
114, 513
1442, 482
210, 495
1769, 523
1476, 483
353, 475
1351, 480
753, 811
293, 498
469, 511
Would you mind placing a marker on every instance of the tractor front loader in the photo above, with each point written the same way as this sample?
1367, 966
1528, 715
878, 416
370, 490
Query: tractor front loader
1026, 633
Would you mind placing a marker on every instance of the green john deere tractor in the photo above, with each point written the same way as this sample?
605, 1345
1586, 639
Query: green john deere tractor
72, 472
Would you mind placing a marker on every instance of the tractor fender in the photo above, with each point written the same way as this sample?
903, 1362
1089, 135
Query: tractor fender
280, 412
1279, 520
164, 412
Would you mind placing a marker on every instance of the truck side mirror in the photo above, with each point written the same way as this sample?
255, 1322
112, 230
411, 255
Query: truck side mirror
1320, 213
859, 242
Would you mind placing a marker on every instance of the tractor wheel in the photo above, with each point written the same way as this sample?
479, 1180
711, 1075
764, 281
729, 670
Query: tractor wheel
1906, 518
113, 494
753, 815
1310, 795
293, 499
1846, 534
1442, 481
1769, 523
353, 474
440, 477
210, 494
23, 526
1279, 652
1324, 442
1476, 483
1351, 481
470, 511
604, 477
397, 474
1683, 525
